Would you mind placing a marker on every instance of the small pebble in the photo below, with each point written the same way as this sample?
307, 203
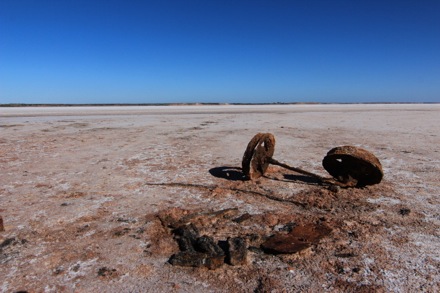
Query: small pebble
334, 188
404, 211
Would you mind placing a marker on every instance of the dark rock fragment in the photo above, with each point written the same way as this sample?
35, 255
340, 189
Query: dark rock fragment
237, 251
2, 227
58, 270
195, 259
242, 218
189, 230
404, 211
120, 232
186, 237
254, 240
8, 241
206, 253
207, 244
105, 272
345, 255
196, 251
334, 188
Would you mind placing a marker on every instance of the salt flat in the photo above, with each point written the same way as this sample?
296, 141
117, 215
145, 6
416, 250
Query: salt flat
84, 192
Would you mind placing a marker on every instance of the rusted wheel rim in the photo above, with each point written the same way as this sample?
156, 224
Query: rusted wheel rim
354, 166
257, 156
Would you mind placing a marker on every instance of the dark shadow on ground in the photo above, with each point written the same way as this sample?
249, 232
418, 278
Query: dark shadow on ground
298, 178
236, 174
303, 178
229, 173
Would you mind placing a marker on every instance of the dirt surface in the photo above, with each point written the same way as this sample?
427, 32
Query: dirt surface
90, 196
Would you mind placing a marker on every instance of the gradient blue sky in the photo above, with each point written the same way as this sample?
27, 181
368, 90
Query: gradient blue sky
75, 51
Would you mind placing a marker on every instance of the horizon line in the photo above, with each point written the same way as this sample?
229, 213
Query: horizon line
196, 104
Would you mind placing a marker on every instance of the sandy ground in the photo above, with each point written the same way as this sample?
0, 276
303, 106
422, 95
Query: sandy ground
87, 196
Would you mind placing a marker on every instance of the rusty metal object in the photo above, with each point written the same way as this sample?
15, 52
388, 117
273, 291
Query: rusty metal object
300, 238
353, 166
257, 156
350, 166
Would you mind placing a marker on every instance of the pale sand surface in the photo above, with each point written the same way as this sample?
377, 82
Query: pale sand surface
82, 212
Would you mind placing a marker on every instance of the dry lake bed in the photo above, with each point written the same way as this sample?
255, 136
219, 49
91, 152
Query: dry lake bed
91, 197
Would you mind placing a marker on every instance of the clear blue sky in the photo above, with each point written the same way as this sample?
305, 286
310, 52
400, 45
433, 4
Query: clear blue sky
133, 51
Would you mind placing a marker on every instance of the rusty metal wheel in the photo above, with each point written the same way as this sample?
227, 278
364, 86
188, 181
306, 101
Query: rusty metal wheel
353, 166
258, 155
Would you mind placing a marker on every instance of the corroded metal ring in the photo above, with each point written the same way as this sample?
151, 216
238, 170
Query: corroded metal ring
353, 166
258, 154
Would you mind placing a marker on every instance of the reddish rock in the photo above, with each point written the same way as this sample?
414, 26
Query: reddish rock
270, 219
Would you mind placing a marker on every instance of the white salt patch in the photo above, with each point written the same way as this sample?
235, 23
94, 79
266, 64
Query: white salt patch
79, 269
384, 200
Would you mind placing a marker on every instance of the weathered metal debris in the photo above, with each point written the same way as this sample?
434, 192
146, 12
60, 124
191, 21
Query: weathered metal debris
258, 154
300, 238
237, 251
350, 166
196, 250
203, 251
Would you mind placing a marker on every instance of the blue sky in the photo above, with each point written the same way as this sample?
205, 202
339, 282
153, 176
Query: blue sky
133, 51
